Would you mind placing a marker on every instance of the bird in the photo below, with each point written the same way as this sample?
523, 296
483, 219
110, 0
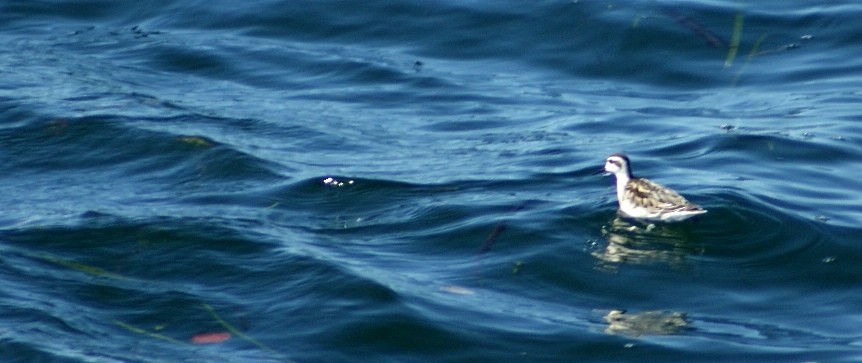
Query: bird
643, 199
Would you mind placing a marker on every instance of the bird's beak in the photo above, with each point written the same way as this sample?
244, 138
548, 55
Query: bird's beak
601, 171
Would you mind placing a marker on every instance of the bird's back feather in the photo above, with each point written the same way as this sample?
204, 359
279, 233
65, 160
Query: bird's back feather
650, 195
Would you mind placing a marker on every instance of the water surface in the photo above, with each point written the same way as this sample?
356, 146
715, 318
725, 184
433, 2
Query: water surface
188, 181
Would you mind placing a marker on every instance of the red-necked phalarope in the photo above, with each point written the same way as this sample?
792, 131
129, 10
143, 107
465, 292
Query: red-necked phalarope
641, 198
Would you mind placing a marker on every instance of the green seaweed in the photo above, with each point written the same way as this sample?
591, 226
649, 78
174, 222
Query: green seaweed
734, 40
754, 49
637, 20
87, 269
135, 329
233, 330
197, 141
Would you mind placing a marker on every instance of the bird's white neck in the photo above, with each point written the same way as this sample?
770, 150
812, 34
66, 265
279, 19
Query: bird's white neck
622, 180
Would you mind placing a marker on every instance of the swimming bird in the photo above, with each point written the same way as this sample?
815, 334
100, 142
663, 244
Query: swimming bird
641, 198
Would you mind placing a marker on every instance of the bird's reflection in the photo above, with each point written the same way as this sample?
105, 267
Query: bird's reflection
633, 242
646, 323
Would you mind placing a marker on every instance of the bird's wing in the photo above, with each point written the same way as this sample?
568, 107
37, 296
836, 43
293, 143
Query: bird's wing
651, 195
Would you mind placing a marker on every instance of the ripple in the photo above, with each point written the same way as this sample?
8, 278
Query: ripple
744, 232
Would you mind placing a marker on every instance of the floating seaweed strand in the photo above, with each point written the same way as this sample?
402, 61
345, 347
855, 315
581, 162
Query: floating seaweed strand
697, 28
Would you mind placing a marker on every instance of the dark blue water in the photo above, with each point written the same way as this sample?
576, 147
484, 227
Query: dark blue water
412, 181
